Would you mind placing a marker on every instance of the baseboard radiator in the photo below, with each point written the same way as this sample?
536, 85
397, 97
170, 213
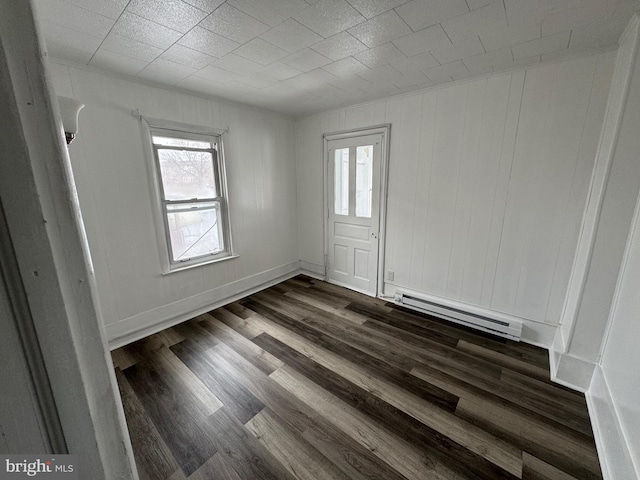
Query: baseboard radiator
507, 328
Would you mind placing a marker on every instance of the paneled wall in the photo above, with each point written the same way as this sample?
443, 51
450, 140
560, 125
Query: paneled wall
620, 354
113, 184
487, 184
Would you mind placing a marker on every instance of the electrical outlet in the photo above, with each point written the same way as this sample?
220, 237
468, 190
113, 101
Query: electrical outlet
390, 275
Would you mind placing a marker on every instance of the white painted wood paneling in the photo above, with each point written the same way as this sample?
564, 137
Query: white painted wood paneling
114, 189
620, 354
487, 183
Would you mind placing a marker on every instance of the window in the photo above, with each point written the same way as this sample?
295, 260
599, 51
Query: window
190, 173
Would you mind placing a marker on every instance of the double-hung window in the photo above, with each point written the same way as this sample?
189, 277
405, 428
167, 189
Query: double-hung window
191, 186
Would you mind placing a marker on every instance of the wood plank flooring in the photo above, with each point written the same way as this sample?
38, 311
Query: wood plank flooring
310, 381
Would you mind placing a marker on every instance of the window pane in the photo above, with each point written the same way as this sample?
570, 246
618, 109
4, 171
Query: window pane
195, 229
179, 142
186, 174
364, 180
341, 182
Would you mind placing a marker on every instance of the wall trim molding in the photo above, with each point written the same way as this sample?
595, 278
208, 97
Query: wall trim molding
155, 320
615, 458
616, 106
570, 371
313, 270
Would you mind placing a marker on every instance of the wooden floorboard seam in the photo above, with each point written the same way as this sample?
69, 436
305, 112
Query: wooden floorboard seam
307, 380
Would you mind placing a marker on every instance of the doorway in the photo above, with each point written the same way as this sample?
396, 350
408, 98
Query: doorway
355, 188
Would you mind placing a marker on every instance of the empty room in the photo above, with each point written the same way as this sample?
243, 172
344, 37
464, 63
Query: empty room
320, 239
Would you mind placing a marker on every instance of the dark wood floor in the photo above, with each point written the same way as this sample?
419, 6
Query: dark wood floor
311, 381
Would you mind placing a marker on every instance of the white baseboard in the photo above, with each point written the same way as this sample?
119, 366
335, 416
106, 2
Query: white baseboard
615, 458
312, 269
153, 321
570, 371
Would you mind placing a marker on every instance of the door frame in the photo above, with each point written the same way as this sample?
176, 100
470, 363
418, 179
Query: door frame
385, 131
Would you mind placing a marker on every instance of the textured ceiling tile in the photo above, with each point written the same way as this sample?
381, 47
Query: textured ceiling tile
339, 46
551, 43
115, 62
589, 14
279, 71
381, 29
416, 63
415, 79
174, 14
207, 6
511, 36
158, 77
234, 24
316, 78
351, 84
197, 84
272, 12
485, 20
237, 64
208, 42
381, 90
291, 36
331, 92
432, 38
465, 49
381, 75
218, 75
111, 8
372, 8
420, 14
524, 11
475, 4
65, 43
168, 67
597, 36
146, 31
306, 60
446, 73
261, 51
69, 51
130, 47
380, 55
328, 17
257, 81
345, 67
186, 56
74, 17
495, 58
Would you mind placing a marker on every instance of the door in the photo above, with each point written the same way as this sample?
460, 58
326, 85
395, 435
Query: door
354, 212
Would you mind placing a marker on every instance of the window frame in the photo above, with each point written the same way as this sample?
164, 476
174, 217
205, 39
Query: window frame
154, 127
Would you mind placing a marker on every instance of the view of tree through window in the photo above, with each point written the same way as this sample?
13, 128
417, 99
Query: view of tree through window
192, 201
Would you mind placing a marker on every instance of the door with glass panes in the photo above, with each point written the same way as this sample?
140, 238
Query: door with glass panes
353, 212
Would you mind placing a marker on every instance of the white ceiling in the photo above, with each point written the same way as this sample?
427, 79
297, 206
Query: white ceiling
301, 56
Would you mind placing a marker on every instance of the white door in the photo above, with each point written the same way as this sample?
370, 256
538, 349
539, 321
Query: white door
354, 212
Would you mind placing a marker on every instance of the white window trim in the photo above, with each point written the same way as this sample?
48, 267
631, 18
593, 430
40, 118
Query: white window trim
161, 232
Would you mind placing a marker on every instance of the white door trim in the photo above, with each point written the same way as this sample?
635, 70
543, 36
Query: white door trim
385, 131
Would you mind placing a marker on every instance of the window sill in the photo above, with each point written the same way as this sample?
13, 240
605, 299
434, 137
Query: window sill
199, 264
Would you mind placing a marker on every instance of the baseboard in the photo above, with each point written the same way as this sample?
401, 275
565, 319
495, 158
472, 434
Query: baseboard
155, 320
570, 371
616, 460
312, 269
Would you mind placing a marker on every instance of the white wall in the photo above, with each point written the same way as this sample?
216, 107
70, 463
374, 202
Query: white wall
620, 354
114, 189
614, 265
487, 184
615, 216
